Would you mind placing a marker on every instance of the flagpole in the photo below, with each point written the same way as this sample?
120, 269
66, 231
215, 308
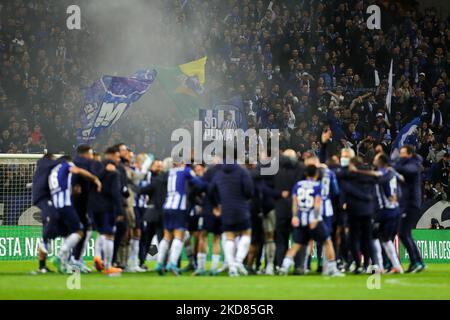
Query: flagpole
389, 93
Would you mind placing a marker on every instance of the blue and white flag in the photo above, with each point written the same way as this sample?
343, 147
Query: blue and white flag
389, 93
407, 135
108, 99
224, 116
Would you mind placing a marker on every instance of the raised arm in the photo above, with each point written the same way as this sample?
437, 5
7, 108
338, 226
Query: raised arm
88, 175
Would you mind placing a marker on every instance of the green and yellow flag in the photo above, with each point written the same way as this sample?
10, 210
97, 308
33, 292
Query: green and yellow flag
185, 84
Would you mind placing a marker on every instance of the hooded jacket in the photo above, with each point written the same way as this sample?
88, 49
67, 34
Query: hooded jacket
289, 173
110, 199
232, 187
411, 170
357, 191
40, 190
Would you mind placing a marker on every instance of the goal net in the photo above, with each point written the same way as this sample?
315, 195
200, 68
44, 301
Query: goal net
20, 221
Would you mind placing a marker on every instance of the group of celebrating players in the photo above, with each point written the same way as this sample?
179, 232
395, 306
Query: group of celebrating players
345, 211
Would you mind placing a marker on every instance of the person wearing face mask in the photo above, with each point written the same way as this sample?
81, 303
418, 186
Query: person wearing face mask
277, 76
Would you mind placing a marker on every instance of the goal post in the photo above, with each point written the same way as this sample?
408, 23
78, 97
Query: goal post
20, 221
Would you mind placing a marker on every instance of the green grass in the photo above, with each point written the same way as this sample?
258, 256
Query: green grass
16, 282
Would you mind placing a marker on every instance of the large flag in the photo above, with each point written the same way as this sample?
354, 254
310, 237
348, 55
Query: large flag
185, 85
223, 118
389, 93
407, 135
108, 99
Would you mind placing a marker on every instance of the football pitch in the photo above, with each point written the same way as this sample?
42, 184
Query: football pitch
17, 282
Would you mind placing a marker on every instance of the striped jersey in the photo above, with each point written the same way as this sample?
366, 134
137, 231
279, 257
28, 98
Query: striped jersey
176, 188
386, 188
60, 184
329, 189
306, 191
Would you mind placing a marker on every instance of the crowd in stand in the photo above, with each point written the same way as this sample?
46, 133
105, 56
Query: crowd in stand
304, 65
299, 66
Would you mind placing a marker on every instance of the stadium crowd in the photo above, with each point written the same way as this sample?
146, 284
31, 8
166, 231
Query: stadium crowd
43, 69
304, 65
297, 65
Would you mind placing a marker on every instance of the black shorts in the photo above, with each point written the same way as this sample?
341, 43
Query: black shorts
69, 222
104, 222
302, 235
212, 224
387, 222
175, 219
49, 219
81, 207
237, 227
257, 229
193, 223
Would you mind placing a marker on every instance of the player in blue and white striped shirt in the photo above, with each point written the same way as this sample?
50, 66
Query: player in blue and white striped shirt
59, 182
388, 212
329, 190
307, 219
175, 216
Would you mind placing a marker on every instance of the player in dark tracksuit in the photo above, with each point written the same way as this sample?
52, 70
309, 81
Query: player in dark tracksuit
80, 196
105, 208
267, 196
256, 211
232, 187
195, 250
121, 225
153, 217
288, 175
409, 165
42, 199
358, 193
211, 223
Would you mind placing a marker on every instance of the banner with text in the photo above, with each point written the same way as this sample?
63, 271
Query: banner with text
22, 243
434, 246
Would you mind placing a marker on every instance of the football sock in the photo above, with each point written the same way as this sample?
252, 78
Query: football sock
162, 251
303, 254
134, 252
379, 255
242, 250
99, 245
331, 266
325, 264
215, 259
229, 252
69, 243
201, 261
392, 253
270, 249
85, 244
175, 251
108, 249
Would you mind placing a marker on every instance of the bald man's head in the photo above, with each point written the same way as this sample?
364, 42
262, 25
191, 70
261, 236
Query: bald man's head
290, 154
